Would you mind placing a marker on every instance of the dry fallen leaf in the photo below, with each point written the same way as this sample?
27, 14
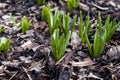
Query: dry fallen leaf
25, 59
37, 66
1, 69
27, 44
85, 62
3, 5
114, 53
75, 40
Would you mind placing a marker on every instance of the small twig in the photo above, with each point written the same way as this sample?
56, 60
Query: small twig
27, 73
99, 7
13, 75
60, 59
2, 74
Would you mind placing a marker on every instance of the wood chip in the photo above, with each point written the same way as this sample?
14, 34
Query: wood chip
27, 45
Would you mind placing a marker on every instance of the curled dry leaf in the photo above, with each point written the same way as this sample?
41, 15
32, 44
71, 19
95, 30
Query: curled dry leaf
3, 5
114, 53
30, 32
1, 69
25, 59
28, 45
37, 66
75, 39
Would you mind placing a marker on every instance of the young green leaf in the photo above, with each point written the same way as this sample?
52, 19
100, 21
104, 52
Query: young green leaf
13, 20
99, 43
72, 25
89, 45
67, 24
45, 13
99, 21
84, 28
71, 4
40, 2
110, 27
102, 34
25, 24
54, 21
81, 26
4, 44
2, 29
59, 43
88, 24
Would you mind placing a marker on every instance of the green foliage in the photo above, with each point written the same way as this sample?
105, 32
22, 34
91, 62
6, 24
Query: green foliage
67, 24
13, 20
40, 2
45, 13
59, 43
60, 24
25, 24
98, 45
99, 42
4, 44
110, 26
2, 29
84, 28
71, 4
54, 21
102, 35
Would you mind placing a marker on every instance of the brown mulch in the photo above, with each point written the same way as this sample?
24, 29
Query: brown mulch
30, 55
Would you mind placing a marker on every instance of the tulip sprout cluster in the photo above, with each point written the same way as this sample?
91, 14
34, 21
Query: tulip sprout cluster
71, 4
4, 44
24, 24
61, 27
103, 34
2, 29
40, 2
